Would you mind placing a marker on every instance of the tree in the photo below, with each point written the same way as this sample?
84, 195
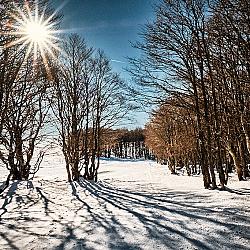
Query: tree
124, 143
72, 90
87, 99
110, 106
171, 135
190, 58
23, 98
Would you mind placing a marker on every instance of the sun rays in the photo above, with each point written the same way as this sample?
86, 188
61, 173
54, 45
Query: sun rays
35, 32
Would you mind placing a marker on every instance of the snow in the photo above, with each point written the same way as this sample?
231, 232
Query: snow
135, 205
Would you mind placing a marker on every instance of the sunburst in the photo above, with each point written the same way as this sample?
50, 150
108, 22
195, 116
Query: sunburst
35, 32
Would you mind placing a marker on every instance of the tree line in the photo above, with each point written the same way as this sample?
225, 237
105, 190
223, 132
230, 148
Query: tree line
196, 69
126, 144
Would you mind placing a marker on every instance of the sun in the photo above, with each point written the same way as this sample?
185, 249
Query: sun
35, 32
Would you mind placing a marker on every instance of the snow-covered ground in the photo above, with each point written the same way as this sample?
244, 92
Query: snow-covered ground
134, 205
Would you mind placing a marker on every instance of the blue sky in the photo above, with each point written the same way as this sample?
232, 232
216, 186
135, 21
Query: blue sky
109, 25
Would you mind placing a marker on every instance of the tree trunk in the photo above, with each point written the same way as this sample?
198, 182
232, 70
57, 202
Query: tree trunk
237, 162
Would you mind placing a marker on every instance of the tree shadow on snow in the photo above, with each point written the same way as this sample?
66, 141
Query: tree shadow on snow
118, 218
164, 218
21, 217
3, 210
122, 159
241, 191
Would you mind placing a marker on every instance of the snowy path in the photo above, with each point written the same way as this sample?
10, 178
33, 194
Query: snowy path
135, 205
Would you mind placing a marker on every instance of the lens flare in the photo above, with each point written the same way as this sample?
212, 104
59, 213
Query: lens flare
35, 32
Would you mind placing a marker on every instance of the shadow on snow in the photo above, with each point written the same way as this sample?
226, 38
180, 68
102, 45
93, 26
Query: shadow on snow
168, 218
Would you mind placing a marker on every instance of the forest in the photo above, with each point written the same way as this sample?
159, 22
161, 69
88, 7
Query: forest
72, 89
196, 55
65, 151
194, 69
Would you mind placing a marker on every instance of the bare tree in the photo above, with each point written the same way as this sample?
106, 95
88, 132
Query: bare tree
23, 98
72, 92
109, 106
24, 118
88, 99
196, 52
